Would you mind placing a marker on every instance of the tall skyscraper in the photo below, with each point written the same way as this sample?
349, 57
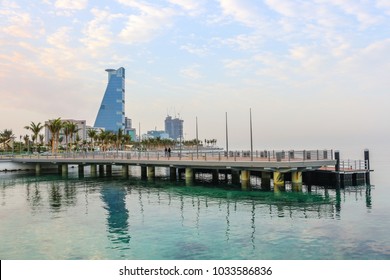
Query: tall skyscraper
111, 114
174, 127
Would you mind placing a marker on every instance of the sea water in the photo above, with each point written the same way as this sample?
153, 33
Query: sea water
51, 216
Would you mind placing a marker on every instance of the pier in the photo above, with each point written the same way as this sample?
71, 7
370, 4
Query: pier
274, 168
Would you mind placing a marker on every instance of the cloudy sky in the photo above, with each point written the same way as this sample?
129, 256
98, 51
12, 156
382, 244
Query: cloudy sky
314, 73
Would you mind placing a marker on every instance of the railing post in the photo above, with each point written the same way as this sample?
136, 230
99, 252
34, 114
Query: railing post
337, 158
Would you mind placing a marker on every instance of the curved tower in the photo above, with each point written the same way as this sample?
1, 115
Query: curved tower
111, 114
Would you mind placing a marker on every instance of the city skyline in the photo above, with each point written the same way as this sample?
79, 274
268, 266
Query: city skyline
314, 73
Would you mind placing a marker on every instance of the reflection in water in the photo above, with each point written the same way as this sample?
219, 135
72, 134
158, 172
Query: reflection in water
186, 216
118, 215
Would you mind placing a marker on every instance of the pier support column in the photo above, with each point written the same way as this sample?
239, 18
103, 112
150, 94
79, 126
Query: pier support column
143, 172
337, 158
245, 175
172, 173
81, 170
101, 169
189, 175
367, 163
235, 176
265, 180
278, 179
64, 170
245, 179
37, 169
151, 172
215, 174
93, 169
125, 170
109, 169
296, 179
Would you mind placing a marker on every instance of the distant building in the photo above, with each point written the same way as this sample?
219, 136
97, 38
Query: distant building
81, 126
111, 114
174, 127
157, 134
129, 130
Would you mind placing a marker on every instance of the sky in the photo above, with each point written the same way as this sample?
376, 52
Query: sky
315, 74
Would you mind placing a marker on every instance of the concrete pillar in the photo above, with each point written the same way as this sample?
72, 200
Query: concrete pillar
101, 169
125, 170
245, 175
279, 188
81, 170
37, 169
93, 169
296, 179
151, 172
172, 173
64, 169
215, 174
189, 175
235, 176
109, 169
265, 180
337, 158
367, 161
278, 178
143, 172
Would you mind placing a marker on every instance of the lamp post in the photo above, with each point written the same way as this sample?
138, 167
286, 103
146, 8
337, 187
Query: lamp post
13, 144
197, 145
250, 124
227, 136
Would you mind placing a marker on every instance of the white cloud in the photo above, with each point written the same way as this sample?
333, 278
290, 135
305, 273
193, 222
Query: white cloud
191, 72
17, 24
60, 38
98, 35
193, 7
242, 11
71, 4
358, 9
194, 49
150, 21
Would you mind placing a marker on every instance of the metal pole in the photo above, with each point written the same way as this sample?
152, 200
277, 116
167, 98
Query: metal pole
250, 119
139, 139
227, 136
197, 146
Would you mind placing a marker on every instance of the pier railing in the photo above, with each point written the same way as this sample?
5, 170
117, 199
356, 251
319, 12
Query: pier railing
353, 165
208, 155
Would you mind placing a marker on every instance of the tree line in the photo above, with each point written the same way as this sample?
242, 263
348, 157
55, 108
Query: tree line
64, 136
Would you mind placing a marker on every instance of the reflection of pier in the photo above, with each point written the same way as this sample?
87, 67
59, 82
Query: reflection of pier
200, 209
311, 167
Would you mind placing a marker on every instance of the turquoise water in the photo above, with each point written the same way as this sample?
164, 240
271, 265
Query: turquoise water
111, 217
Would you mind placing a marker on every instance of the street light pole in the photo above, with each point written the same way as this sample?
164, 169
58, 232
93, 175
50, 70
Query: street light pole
227, 136
197, 145
250, 123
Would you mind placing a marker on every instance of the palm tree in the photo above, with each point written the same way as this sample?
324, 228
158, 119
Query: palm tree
26, 139
6, 137
54, 127
35, 129
66, 130
73, 129
92, 135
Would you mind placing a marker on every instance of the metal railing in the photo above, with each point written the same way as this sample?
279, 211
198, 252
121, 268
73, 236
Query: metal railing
215, 155
353, 165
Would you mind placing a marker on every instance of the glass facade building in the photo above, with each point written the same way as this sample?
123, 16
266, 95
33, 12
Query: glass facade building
174, 127
111, 114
